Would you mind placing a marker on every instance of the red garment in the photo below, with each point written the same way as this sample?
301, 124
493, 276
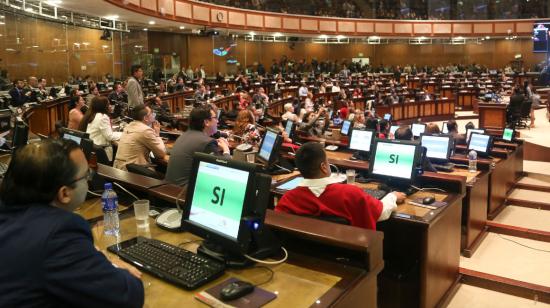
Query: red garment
347, 201
344, 111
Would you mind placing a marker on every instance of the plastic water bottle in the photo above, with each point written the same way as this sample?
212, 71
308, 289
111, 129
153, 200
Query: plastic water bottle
472, 161
109, 200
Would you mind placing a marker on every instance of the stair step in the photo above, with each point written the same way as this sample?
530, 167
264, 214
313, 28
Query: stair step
476, 297
503, 256
529, 198
523, 217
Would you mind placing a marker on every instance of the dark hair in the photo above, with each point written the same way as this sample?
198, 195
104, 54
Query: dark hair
135, 68
139, 112
100, 104
197, 117
432, 128
306, 116
403, 133
452, 126
74, 101
37, 171
470, 125
383, 125
372, 123
308, 159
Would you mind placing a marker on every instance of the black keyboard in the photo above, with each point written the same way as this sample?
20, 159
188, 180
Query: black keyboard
173, 264
3, 169
448, 167
376, 193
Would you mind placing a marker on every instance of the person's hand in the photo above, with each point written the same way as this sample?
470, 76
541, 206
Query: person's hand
118, 263
224, 144
400, 197
156, 127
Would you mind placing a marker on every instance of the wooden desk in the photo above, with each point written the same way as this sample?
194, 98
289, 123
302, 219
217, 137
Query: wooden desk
301, 281
432, 109
492, 115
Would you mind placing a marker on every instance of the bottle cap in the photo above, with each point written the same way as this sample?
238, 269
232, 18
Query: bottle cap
108, 185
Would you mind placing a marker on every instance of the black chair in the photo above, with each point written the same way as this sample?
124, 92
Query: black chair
525, 114
102, 156
143, 170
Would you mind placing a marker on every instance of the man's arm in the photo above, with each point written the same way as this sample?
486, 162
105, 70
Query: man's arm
79, 275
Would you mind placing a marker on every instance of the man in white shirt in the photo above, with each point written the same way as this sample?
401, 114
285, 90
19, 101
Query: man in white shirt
302, 91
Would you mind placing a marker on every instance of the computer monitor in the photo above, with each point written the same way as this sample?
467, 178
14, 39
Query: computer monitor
393, 129
269, 147
75, 135
225, 205
508, 134
20, 135
289, 128
417, 129
438, 147
387, 117
346, 127
480, 143
395, 161
473, 130
219, 114
444, 128
361, 140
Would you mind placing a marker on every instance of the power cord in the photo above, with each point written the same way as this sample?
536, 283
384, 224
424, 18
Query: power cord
269, 262
125, 190
270, 276
427, 188
94, 194
520, 244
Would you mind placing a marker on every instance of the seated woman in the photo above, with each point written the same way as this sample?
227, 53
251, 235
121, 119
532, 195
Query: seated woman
359, 119
97, 123
432, 128
245, 128
75, 111
311, 124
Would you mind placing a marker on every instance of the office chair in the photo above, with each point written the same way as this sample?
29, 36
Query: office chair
102, 156
143, 170
525, 114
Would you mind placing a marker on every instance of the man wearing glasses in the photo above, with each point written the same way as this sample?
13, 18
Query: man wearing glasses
48, 255
203, 123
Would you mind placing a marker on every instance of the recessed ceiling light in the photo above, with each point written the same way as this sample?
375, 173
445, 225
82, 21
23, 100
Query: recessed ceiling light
182, 27
53, 2
323, 36
152, 22
340, 37
145, 29
111, 17
277, 34
252, 33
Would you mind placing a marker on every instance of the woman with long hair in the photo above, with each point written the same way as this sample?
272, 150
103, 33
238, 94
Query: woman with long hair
97, 123
245, 128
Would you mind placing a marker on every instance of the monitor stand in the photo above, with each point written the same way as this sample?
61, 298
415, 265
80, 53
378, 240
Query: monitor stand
263, 244
360, 155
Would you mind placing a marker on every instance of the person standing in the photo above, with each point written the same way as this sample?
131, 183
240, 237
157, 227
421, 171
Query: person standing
133, 88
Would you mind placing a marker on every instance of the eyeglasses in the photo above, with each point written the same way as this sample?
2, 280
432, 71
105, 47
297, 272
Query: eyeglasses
88, 176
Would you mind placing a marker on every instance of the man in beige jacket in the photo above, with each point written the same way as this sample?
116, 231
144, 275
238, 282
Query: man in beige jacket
139, 139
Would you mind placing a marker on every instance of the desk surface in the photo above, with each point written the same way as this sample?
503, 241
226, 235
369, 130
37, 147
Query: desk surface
316, 281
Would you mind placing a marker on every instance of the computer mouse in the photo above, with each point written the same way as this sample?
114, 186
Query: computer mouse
236, 289
428, 200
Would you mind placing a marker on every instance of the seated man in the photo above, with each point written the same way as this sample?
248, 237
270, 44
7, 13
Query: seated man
405, 133
139, 139
203, 123
319, 195
48, 254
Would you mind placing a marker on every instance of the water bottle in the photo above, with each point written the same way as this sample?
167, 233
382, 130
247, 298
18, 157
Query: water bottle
109, 200
472, 161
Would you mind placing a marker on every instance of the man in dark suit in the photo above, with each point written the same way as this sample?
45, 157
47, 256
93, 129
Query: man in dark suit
18, 98
48, 254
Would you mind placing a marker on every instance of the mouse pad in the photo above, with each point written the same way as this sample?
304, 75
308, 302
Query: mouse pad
433, 206
257, 298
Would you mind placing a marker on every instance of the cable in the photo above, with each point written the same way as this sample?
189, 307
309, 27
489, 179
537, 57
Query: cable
269, 262
94, 194
125, 190
427, 188
518, 243
183, 189
462, 165
282, 168
270, 276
